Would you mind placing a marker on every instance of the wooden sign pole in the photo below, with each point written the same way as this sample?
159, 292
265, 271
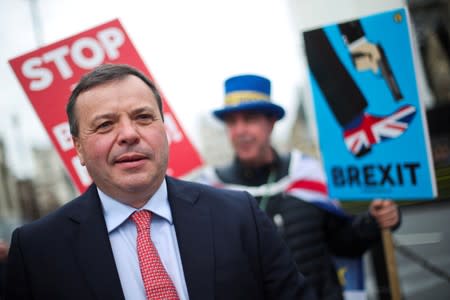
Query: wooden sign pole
391, 264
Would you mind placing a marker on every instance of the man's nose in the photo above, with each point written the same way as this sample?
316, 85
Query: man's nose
128, 133
239, 126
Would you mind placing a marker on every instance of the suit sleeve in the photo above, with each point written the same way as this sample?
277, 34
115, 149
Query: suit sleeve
17, 285
352, 237
281, 278
342, 94
351, 31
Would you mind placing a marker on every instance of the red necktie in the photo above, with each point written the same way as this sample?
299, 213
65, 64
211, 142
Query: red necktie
157, 282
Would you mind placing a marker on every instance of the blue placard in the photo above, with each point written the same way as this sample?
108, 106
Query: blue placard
371, 123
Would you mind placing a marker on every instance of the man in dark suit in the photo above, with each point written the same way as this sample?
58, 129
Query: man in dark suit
212, 244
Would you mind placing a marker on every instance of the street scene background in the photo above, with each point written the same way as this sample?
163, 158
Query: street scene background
191, 47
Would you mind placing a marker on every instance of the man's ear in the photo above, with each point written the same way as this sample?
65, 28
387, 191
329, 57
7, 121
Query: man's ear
272, 120
79, 149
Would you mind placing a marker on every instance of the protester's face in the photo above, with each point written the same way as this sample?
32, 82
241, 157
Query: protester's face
249, 133
122, 140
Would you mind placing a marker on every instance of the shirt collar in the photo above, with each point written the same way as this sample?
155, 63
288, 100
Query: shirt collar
116, 212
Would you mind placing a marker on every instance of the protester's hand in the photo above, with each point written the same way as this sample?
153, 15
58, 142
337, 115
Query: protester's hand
385, 212
3, 250
366, 56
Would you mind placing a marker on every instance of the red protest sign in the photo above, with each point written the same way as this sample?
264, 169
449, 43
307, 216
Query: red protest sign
48, 75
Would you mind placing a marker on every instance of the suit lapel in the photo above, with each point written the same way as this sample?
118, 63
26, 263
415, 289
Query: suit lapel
95, 253
193, 226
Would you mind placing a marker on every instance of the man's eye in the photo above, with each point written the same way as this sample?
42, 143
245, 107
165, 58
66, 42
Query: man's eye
145, 117
104, 125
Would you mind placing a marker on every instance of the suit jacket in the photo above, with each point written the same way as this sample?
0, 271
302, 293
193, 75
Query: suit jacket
228, 247
2, 278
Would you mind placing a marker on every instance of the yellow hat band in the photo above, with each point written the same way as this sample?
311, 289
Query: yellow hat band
244, 96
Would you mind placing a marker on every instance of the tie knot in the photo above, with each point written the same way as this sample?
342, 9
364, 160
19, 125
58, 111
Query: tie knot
142, 219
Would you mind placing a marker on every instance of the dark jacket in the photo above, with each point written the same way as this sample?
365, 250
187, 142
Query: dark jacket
313, 235
228, 247
2, 278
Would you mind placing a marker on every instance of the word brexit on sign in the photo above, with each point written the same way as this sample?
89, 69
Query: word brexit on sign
48, 75
375, 175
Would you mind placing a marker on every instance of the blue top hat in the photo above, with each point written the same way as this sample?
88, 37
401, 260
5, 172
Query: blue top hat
248, 93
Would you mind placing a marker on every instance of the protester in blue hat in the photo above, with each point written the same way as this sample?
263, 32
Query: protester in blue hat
291, 188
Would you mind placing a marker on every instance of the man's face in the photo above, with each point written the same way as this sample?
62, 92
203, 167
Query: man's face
249, 133
122, 140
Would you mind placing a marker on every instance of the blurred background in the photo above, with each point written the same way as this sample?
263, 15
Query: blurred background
190, 47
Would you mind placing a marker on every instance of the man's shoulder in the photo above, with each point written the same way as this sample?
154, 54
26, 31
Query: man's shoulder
226, 173
212, 196
200, 187
55, 220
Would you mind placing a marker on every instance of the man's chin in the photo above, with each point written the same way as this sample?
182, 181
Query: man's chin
248, 160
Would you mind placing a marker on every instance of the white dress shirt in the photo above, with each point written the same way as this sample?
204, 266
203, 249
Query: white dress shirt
122, 235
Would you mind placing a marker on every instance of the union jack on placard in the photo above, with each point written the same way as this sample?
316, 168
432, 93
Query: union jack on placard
374, 129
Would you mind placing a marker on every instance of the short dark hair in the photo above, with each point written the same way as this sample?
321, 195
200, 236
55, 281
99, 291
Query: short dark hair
101, 75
